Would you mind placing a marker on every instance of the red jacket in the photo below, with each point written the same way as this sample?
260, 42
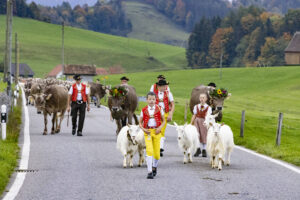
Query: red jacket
75, 92
146, 116
165, 100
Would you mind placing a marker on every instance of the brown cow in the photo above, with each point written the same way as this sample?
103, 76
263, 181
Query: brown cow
97, 90
122, 108
52, 101
215, 102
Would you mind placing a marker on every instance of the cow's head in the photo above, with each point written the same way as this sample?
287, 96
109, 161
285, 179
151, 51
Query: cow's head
180, 131
40, 99
218, 102
117, 103
132, 133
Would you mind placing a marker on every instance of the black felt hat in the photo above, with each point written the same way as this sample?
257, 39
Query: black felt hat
124, 78
161, 76
162, 82
77, 77
212, 84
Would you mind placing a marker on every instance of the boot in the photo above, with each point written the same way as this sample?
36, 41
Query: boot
154, 171
150, 175
204, 153
79, 133
198, 152
73, 131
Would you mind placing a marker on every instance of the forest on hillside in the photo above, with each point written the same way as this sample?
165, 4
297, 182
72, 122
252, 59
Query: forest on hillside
188, 12
245, 37
105, 17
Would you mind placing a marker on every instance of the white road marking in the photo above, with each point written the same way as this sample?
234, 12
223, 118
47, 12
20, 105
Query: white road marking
16, 186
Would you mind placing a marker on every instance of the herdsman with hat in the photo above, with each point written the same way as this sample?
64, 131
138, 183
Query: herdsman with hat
154, 86
165, 100
79, 100
124, 80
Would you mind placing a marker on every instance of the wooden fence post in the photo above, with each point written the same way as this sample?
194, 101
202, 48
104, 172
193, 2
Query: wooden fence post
185, 111
242, 124
278, 134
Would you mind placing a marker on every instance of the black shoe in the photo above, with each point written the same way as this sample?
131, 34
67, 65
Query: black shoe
154, 171
198, 152
150, 175
73, 131
161, 152
79, 133
204, 153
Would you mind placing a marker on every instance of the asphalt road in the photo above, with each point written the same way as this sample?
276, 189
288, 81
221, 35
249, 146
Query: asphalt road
68, 167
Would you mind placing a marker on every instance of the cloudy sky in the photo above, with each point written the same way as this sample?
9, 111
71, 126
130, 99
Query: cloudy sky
58, 2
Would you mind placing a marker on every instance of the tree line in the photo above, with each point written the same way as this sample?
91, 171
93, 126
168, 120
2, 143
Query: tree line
245, 37
105, 17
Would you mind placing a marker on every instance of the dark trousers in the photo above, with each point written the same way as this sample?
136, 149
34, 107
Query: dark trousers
75, 107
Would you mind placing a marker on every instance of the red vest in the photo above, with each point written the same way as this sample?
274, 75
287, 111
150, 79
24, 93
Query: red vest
201, 113
165, 100
75, 92
157, 116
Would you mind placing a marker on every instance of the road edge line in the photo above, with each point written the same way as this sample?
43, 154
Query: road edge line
20, 177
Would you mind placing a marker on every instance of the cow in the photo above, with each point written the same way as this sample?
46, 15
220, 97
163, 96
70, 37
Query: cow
53, 100
122, 107
215, 102
97, 90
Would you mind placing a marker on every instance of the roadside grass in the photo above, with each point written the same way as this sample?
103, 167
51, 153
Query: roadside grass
40, 48
9, 149
261, 92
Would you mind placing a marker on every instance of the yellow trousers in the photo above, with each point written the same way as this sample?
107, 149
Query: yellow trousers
163, 129
152, 142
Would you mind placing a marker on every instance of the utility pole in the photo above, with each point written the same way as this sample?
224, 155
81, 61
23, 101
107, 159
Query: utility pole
8, 50
17, 64
63, 47
221, 60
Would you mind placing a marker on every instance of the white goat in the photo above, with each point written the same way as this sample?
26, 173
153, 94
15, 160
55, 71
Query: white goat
219, 142
188, 141
131, 140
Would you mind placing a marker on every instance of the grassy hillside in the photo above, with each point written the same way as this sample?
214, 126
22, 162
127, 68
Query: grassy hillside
262, 92
149, 24
40, 47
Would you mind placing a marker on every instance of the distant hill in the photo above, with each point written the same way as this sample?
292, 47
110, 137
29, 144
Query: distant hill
151, 25
40, 48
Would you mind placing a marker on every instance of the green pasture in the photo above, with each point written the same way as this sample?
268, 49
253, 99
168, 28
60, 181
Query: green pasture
40, 48
261, 92
149, 24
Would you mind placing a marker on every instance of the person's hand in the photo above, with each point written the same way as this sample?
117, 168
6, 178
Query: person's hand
68, 109
147, 131
169, 118
88, 108
157, 131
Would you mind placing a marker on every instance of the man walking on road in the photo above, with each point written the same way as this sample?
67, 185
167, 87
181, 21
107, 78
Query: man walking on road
79, 96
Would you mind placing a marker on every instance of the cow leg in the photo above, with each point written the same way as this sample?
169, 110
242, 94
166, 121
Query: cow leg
119, 125
98, 101
53, 122
62, 114
130, 116
45, 123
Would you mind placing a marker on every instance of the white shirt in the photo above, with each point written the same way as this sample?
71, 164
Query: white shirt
79, 96
199, 106
161, 98
152, 122
152, 88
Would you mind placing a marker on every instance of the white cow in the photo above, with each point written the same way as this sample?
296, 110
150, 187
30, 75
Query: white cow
219, 142
130, 141
188, 141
